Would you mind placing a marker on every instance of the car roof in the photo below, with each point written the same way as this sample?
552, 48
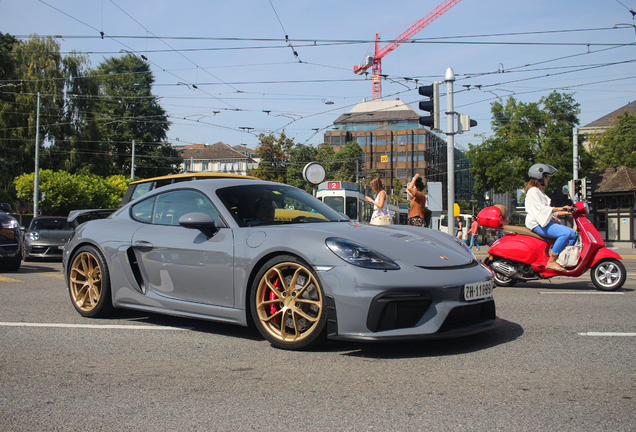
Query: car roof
157, 182
193, 176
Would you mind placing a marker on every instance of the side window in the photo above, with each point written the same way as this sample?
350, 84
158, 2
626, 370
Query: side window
141, 189
171, 206
142, 211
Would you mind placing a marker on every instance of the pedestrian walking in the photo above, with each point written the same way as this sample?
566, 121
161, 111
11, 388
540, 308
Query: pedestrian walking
474, 234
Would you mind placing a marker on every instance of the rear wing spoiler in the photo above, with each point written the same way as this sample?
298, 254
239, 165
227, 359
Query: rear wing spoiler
93, 213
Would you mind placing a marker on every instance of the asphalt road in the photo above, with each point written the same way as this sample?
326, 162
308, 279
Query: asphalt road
563, 360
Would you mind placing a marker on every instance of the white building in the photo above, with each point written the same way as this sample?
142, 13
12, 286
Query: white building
218, 157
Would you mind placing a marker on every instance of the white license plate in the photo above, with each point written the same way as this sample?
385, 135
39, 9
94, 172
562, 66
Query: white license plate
478, 290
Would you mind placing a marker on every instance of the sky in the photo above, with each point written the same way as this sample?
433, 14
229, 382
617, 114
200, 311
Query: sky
224, 71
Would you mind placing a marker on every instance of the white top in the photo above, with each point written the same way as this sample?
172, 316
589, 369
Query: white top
539, 208
379, 211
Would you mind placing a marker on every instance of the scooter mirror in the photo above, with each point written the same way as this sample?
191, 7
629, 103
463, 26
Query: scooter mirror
566, 190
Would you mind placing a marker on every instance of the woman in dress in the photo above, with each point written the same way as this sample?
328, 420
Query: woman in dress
381, 209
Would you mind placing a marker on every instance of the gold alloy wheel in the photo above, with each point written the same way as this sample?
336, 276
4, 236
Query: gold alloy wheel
86, 281
289, 302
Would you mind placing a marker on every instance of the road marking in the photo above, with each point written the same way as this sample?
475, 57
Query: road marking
628, 256
91, 326
6, 279
583, 293
607, 334
53, 275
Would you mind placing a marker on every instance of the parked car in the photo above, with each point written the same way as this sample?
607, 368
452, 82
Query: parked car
10, 240
46, 237
300, 271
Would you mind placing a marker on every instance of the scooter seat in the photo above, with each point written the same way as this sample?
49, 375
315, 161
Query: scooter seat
525, 231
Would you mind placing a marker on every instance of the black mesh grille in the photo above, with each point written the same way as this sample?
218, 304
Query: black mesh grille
463, 316
396, 311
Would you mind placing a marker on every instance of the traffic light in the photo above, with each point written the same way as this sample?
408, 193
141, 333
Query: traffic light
578, 191
464, 123
572, 189
432, 106
587, 187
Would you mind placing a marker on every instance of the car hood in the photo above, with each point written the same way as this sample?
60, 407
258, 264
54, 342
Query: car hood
403, 244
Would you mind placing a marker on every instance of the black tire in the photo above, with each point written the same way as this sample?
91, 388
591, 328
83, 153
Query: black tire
12, 264
289, 317
502, 280
89, 283
608, 274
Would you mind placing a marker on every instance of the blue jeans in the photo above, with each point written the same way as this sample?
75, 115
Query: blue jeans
563, 235
474, 241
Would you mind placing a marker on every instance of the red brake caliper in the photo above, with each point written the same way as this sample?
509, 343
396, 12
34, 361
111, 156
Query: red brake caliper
273, 308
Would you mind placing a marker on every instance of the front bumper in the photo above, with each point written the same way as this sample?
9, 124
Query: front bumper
43, 251
407, 304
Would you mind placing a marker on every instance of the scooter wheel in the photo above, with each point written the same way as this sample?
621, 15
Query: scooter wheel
609, 275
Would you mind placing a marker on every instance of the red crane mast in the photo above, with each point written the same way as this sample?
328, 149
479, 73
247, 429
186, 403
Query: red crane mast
375, 62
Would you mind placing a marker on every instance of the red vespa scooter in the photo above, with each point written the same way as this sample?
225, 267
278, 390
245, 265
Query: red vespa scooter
521, 255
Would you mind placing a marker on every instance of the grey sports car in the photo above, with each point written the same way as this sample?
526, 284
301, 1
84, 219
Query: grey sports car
46, 236
245, 251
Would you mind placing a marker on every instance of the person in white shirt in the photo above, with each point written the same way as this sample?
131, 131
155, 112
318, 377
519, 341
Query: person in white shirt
542, 218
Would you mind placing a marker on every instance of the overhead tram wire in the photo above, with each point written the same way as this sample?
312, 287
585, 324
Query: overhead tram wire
173, 49
134, 51
285, 32
318, 40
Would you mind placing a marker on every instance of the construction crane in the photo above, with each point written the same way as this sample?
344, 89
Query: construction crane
375, 62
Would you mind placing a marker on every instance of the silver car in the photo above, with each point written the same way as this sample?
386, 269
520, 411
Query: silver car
46, 236
247, 251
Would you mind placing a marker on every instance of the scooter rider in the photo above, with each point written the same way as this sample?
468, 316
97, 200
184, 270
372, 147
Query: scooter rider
541, 217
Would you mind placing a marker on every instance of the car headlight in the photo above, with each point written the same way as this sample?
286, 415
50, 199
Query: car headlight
10, 224
359, 255
34, 236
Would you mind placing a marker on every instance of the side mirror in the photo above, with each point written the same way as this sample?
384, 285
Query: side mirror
566, 190
5, 207
201, 221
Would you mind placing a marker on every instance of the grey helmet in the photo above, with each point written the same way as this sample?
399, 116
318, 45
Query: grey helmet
537, 171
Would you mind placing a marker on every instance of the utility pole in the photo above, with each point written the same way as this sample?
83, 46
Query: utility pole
132, 164
449, 78
36, 178
575, 153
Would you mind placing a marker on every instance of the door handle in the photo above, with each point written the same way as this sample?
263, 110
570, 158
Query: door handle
142, 244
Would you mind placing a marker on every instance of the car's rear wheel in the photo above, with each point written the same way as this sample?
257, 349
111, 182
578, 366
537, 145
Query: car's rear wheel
89, 283
288, 304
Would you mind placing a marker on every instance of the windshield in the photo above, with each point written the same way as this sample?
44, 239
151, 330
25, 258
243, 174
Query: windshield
274, 204
51, 224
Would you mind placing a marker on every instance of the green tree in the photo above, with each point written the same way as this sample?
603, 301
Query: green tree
65, 192
397, 191
525, 134
129, 111
348, 161
9, 148
299, 156
326, 155
617, 145
274, 157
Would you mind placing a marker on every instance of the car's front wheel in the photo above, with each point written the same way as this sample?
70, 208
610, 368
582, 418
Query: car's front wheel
288, 304
89, 283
